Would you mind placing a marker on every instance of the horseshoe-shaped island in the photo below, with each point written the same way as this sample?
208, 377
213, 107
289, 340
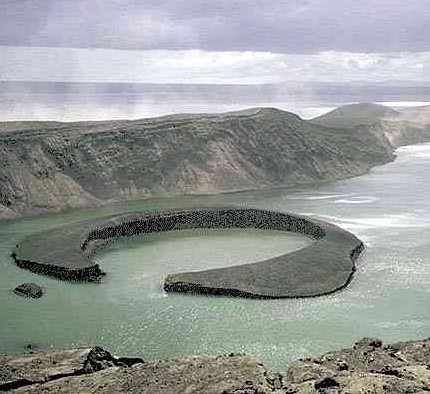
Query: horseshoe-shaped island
325, 266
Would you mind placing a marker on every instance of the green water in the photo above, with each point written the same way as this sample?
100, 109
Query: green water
130, 314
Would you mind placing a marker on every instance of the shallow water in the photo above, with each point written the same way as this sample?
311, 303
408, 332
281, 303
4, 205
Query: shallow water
388, 209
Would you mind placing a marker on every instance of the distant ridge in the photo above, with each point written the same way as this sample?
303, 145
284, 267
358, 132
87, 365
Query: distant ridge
47, 167
53, 166
419, 114
353, 115
23, 125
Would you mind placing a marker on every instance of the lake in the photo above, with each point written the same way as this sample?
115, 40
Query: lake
130, 314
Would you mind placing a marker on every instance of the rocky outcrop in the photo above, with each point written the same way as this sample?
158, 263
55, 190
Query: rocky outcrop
91, 273
409, 127
96, 370
46, 167
39, 368
327, 265
31, 290
368, 367
398, 128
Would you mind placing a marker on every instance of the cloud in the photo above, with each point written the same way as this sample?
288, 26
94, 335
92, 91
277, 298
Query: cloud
208, 67
280, 26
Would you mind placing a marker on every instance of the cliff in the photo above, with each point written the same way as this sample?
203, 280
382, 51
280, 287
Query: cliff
368, 367
353, 115
52, 166
410, 126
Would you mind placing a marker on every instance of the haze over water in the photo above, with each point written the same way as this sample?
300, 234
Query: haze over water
130, 314
62, 101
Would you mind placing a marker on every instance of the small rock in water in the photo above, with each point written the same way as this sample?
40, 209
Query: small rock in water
30, 348
29, 290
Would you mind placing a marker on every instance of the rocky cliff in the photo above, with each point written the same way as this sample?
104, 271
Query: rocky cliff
410, 126
368, 367
353, 115
52, 166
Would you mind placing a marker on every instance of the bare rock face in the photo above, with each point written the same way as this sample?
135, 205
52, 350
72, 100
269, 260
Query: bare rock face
51, 167
31, 290
368, 367
97, 371
35, 369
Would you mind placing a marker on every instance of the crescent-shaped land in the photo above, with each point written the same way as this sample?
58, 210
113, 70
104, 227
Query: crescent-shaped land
325, 266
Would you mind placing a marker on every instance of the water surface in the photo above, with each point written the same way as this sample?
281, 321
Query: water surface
388, 209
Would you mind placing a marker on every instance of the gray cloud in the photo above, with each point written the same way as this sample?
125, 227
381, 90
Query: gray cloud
293, 26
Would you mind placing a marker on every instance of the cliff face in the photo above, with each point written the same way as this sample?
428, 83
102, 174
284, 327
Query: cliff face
410, 126
55, 166
352, 115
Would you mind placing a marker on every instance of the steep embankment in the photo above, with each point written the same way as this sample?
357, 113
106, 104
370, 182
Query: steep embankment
54, 166
410, 126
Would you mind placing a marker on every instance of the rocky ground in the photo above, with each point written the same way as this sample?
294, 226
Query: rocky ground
368, 367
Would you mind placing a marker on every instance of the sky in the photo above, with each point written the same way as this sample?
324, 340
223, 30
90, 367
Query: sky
215, 42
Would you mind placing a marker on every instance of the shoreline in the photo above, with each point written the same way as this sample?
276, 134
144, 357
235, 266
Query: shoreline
325, 266
344, 155
113, 203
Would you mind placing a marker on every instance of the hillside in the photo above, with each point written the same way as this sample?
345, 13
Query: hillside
48, 167
410, 126
350, 116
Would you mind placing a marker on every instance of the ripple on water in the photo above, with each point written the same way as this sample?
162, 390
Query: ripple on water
130, 314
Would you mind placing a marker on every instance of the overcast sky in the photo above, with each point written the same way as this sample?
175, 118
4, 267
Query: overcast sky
216, 41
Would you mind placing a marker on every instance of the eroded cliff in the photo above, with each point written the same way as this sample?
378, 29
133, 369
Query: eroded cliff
55, 166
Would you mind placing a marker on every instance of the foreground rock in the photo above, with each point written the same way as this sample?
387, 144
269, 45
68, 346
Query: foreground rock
368, 367
39, 368
96, 371
30, 290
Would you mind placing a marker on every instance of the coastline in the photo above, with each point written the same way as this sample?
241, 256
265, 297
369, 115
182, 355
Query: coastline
327, 265
167, 196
